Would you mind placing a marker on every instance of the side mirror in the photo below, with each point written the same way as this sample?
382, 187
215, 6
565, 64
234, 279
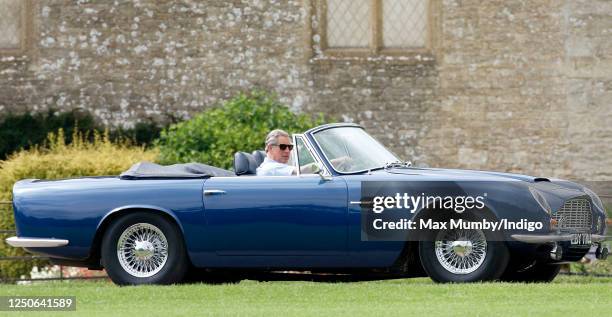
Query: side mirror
318, 169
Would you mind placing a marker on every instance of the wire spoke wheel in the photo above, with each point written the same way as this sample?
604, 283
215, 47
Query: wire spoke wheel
142, 250
461, 251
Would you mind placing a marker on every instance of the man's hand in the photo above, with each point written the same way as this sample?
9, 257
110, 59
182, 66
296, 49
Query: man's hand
343, 163
308, 168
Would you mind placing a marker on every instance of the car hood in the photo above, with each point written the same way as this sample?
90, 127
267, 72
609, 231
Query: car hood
555, 191
465, 174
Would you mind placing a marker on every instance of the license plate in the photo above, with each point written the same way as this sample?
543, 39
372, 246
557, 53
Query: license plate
581, 239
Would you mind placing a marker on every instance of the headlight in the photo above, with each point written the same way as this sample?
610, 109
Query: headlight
541, 200
594, 198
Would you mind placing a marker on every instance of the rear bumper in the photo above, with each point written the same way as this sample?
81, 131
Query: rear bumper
20, 242
545, 238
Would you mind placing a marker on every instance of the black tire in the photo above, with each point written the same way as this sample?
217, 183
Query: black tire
169, 272
496, 257
535, 273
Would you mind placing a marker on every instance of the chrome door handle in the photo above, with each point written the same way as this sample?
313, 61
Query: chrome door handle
359, 202
209, 192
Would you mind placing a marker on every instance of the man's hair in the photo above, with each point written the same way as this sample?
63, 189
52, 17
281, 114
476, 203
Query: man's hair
272, 138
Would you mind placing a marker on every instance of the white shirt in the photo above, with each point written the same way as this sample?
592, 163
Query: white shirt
270, 167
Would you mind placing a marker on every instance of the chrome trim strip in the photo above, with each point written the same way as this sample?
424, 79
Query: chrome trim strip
333, 125
535, 238
19, 242
295, 155
209, 192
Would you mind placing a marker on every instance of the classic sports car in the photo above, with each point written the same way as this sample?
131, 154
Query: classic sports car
155, 227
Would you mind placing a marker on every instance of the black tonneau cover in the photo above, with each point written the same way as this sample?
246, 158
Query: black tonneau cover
145, 170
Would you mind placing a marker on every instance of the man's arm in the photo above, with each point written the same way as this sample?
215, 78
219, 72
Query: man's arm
340, 162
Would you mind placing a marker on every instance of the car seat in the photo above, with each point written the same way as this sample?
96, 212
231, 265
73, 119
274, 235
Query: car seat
245, 164
259, 156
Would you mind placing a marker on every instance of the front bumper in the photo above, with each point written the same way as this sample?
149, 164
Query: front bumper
560, 246
545, 238
21, 242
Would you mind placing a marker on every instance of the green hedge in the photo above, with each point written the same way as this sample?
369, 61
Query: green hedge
60, 160
25, 131
240, 124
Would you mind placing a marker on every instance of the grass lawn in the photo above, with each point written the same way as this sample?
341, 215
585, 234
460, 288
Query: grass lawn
565, 296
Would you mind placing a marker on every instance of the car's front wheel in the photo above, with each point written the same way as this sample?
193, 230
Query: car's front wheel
144, 248
460, 255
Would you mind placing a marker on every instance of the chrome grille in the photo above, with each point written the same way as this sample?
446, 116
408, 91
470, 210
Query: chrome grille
575, 215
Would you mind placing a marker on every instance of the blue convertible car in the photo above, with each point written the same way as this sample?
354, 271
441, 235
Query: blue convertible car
155, 228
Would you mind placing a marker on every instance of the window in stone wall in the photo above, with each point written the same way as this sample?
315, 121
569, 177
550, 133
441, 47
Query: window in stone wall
14, 25
374, 26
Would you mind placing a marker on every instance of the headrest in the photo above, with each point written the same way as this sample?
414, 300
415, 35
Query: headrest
244, 164
259, 156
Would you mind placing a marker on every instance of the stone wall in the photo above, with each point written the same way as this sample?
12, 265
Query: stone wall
126, 60
521, 86
525, 86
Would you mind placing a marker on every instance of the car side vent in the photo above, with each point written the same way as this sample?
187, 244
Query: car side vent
541, 179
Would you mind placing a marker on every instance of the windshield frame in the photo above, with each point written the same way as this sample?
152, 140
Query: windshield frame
311, 136
311, 150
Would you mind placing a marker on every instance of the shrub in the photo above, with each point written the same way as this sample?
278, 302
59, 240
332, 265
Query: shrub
143, 133
80, 158
240, 124
28, 130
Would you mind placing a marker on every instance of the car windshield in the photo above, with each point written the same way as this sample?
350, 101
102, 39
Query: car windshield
351, 149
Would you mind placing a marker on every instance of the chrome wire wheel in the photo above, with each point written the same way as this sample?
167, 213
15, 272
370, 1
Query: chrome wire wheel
142, 250
461, 251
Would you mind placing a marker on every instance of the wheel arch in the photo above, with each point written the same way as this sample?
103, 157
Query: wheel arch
487, 211
96, 245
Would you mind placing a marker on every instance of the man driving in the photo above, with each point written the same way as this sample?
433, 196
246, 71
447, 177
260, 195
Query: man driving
278, 152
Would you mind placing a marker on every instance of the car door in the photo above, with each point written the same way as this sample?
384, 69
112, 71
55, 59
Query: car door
277, 215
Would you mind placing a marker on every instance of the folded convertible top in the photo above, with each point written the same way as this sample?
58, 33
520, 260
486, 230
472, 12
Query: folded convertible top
145, 170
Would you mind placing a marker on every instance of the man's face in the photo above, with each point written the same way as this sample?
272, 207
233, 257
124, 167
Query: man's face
275, 152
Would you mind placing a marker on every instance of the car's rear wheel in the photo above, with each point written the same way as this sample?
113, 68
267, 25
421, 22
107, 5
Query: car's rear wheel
144, 248
459, 255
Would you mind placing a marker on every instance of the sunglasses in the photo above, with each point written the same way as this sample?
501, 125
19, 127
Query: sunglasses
283, 147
